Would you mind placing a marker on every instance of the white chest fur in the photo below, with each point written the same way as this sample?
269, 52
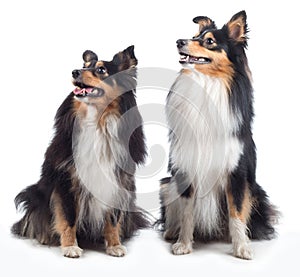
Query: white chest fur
96, 152
202, 141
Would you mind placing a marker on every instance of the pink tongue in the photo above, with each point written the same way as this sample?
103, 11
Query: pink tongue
82, 91
88, 90
78, 90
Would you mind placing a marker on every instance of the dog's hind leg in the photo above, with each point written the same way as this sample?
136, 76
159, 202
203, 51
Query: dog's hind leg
170, 209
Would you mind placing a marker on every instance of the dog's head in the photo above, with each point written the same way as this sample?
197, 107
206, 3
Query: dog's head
97, 79
213, 51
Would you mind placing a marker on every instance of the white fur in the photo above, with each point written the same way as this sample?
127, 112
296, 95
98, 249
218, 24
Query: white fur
202, 142
240, 240
116, 251
72, 251
180, 248
96, 153
185, 238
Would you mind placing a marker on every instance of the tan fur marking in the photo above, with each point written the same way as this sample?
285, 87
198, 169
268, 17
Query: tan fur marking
89, 79
87, 64
66, 232
112, 233
197, 34
210, 35
99, 63
237, 29
245, 213
112, 108
220, 65
68, 237
204, 22
186, 71
79, 108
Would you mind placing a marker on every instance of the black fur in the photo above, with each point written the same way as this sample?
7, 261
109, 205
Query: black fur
185, 189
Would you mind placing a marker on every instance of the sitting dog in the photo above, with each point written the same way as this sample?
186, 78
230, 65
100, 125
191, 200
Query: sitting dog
87, 187
212, 191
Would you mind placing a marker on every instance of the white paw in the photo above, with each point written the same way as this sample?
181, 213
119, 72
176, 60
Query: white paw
180, 248
116, 251
243, 251
72, 251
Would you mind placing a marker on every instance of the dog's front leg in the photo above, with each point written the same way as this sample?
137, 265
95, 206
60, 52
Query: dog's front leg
239, 206
65, 217
112, 230
185, 238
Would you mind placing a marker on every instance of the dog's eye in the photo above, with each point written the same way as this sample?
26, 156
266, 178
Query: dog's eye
101, 70
209, 41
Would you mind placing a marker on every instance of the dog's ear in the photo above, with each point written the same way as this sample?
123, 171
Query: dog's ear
237, 27
89, 55
204, 23
125, 59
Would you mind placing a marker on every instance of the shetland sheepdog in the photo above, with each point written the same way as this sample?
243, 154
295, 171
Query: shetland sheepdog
212, 193
86, 192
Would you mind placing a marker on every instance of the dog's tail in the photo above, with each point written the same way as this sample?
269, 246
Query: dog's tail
264, 215
134, 221
35, 223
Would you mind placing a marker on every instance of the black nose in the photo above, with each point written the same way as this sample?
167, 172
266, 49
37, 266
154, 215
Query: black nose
181, 42
75, 73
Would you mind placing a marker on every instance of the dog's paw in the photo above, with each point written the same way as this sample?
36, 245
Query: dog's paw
72, 251
180, 248
116, 251
243, 251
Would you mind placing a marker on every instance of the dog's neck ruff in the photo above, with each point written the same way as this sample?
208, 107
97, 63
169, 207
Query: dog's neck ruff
202, 125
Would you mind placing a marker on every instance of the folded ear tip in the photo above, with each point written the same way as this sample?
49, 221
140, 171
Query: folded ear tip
89, 55
86, 52
199, 18
196, 19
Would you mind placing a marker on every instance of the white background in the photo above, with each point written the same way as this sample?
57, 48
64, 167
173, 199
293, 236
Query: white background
42, 42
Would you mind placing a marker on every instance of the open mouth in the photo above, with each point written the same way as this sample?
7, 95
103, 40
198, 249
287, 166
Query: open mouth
82, 91
185, 58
